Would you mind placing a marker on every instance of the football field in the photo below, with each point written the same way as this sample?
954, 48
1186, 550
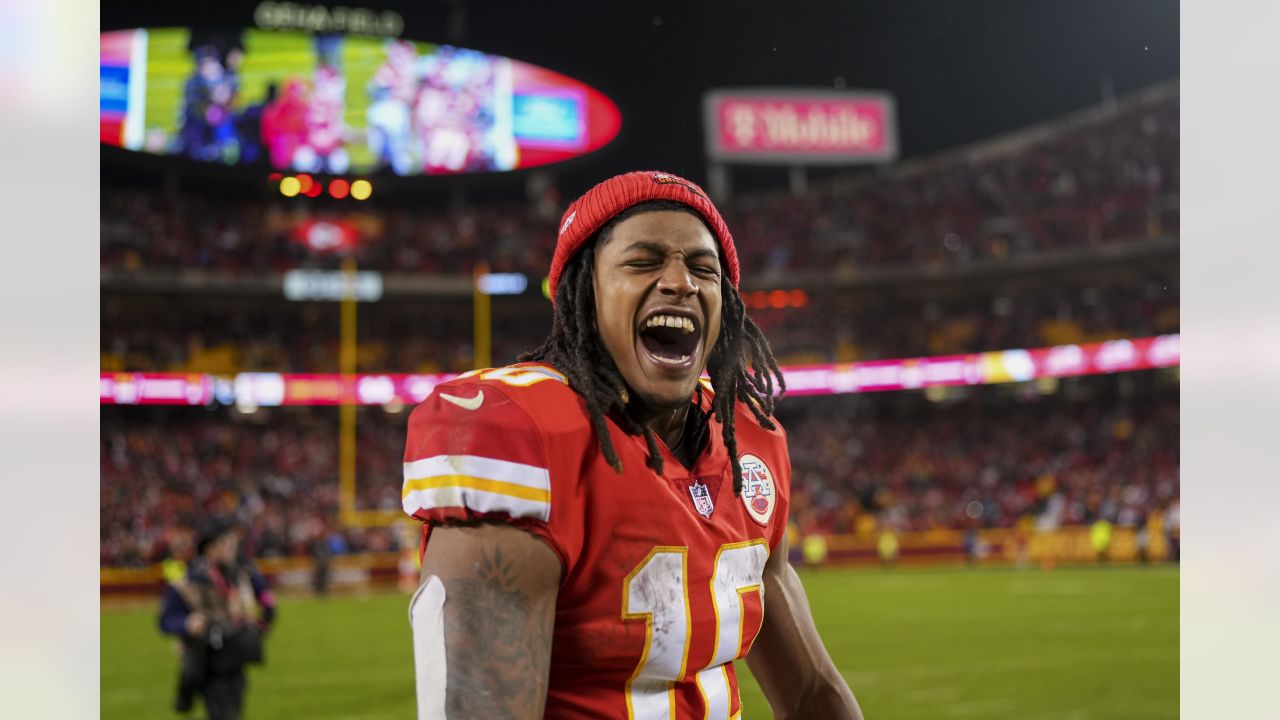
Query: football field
1066, 644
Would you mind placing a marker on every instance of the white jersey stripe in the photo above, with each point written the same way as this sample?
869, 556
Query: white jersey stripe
530, 476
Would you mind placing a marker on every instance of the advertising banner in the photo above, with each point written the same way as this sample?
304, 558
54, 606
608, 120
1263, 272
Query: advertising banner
792, 127
986, 368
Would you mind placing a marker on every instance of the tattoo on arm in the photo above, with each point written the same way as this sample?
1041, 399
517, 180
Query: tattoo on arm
499, 642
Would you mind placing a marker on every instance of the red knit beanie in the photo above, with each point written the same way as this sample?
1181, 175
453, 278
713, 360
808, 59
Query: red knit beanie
601, 203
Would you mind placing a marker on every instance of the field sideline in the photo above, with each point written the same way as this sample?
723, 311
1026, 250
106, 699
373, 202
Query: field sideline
1066, 644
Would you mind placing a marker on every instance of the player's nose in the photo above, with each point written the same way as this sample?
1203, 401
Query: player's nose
676, 280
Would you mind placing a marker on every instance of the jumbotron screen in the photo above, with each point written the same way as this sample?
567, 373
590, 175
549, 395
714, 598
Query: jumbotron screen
337, 104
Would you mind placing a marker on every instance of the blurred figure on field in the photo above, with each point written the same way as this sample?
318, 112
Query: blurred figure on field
391, 95
249, 126
206, 126
321, 558
1022, 541
221, 611
325, 147
284, 123
1142, 539
970, 544
174, 567
887, 547
1100, 539
814, 548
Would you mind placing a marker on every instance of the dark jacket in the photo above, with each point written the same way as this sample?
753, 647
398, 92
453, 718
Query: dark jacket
238, 606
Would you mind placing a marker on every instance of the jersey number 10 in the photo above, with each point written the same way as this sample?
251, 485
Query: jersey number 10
657, 591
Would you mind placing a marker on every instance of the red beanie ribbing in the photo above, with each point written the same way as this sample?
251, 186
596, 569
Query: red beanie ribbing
601, 203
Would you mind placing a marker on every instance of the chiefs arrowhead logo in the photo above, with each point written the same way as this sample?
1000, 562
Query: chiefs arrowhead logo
568, 221
759, 494
665, 179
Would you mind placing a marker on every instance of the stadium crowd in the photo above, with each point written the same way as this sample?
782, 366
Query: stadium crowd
981, 463
863, 461
834, 327
1111, 180
163, 471
842, 328
895, 460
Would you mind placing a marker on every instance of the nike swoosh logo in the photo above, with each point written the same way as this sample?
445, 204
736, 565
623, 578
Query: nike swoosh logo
465, 403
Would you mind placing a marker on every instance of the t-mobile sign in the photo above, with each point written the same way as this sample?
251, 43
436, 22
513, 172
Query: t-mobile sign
800, 127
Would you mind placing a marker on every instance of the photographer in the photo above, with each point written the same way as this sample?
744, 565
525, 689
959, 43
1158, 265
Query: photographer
221, 610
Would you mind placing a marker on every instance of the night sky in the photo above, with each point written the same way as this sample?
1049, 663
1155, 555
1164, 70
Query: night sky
960, 71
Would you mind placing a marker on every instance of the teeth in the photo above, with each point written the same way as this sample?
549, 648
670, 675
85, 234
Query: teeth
671, 361
671, 321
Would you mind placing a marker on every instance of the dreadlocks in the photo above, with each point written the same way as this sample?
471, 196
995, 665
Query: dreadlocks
575, 348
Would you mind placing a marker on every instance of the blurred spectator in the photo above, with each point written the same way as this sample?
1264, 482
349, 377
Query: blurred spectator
404, 337
997, 459
220, 611
1110, 180
860, 462
162, 471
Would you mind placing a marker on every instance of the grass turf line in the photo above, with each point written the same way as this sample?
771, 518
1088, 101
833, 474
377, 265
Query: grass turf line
1068, 644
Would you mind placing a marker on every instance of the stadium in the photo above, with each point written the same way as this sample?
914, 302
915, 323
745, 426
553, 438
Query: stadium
313, 216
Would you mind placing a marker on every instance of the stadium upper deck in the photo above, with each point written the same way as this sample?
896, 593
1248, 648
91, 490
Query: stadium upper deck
1111, 180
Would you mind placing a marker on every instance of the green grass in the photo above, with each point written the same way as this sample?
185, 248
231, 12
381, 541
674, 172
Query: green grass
1069, 644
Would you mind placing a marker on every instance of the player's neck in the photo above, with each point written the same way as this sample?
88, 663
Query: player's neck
673, 427
669, 425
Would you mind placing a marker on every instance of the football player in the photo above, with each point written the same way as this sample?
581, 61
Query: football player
604, 530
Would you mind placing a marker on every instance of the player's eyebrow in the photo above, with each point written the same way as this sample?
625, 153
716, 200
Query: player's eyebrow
660, 249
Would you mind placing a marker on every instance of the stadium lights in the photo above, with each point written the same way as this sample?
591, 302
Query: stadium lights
776, 299
942, 377
308, 186
502, 283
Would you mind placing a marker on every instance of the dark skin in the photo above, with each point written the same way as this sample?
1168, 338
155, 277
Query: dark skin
663, 261
501, 583
788, 658
500, 601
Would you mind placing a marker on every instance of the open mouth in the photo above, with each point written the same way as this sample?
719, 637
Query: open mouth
670, 339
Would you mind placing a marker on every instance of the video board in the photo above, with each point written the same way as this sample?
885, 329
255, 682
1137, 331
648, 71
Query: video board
337, 104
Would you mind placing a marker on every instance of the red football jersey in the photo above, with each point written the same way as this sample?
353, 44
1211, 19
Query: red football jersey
662, 584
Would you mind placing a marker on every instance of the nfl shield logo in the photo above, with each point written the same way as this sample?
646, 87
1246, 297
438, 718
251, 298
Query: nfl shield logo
701, 499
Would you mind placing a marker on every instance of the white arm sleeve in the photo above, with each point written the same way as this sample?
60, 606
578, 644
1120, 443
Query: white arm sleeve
426, 616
